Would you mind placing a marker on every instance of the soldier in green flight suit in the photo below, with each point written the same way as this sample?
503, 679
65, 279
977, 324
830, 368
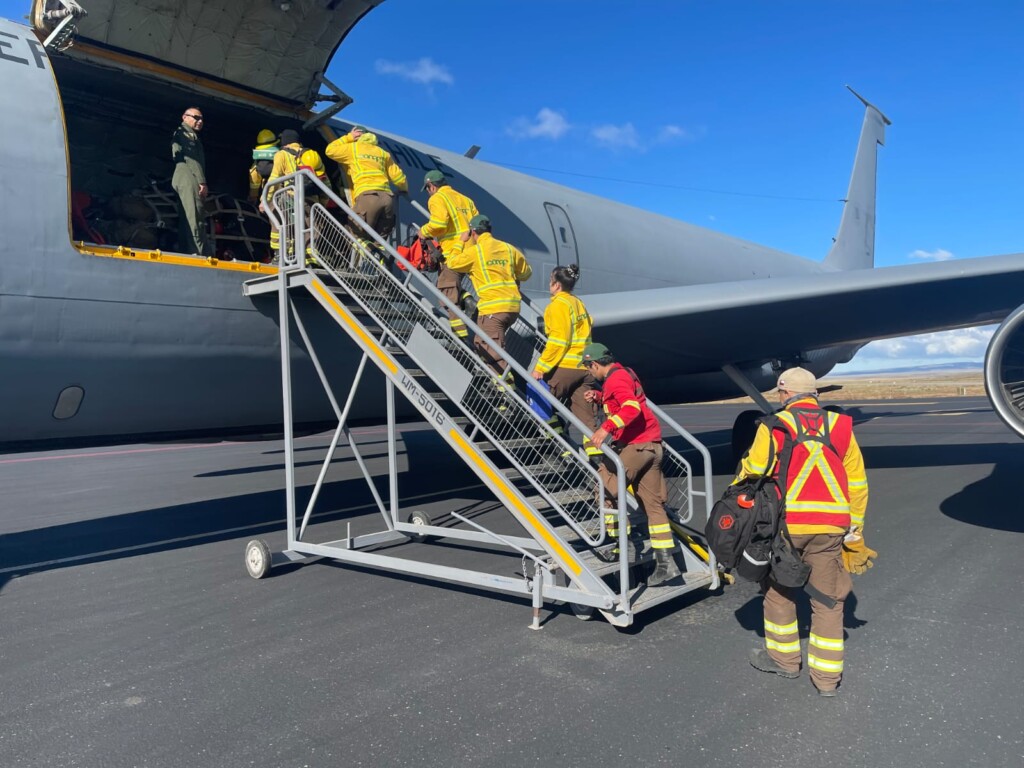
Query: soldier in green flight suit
189, 181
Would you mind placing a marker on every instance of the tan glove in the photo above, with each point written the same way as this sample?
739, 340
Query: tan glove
857, 555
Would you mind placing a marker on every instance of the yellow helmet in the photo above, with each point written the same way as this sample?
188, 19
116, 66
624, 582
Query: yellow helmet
310, 159
266, 136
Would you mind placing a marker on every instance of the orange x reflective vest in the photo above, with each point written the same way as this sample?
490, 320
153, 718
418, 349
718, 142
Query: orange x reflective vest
496, 269
826, 490
568, 327
450, 213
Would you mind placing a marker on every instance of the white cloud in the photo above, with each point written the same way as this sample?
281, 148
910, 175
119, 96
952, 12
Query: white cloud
960, 344
618, 136
425, 71
626, 136
674, 133
937, 255
548, 124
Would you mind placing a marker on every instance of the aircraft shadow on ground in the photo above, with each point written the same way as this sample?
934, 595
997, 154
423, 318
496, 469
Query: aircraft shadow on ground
186, 525
992, 502
945, 455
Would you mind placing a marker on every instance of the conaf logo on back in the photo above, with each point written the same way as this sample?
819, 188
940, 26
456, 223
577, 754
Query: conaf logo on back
725, 522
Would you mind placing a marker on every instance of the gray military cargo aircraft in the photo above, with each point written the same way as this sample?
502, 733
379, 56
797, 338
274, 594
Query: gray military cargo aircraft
103, 341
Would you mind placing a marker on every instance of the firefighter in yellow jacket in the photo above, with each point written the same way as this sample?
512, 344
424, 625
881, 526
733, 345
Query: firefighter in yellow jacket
826, 495
450, 213
372, 172
289, 159
568, 327
262, 163
496, 269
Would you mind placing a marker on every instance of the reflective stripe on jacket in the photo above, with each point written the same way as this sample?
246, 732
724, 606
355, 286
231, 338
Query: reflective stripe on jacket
629, 419
568, 328
450, 213
371, 168
496, 269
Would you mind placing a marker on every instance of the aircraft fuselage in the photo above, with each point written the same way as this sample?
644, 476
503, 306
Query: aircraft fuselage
160, 345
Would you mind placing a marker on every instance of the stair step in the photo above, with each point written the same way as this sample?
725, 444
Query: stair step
597, 560
643, 597
513, 444
542, 469
563, 498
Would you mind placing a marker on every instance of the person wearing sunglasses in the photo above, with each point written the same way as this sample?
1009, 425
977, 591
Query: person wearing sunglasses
189, 182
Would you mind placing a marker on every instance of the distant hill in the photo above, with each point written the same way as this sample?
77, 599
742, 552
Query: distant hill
915, 369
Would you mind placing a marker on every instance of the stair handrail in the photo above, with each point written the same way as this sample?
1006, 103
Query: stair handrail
288, 183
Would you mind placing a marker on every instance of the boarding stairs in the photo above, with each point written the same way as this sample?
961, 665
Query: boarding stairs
398, 320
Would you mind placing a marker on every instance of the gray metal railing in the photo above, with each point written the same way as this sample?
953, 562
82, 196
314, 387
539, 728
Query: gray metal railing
557, 469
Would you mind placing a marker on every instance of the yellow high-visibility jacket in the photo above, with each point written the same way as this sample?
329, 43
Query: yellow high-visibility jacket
495, 267
450, 213
568, 327
370, 167
286, 162
756, 460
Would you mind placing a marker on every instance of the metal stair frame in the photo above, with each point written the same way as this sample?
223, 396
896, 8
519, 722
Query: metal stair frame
585, 589
542, 584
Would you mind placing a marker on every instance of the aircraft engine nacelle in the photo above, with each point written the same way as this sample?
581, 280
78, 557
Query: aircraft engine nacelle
1004, 371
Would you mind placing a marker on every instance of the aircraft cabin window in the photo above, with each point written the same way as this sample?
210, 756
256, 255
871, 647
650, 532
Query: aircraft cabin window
68, 402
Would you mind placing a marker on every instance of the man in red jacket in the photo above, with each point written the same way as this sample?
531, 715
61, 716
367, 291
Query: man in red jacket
637, 439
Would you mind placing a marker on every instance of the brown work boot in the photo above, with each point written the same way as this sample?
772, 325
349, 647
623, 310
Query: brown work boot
761, 661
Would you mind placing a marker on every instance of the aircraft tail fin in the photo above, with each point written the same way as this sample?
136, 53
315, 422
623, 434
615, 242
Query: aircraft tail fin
854, 246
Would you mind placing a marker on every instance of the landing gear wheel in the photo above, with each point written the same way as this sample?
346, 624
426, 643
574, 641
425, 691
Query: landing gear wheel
743, 431
257, 558
419, 517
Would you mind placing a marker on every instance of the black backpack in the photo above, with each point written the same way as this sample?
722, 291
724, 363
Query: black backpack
264, 168
744, 523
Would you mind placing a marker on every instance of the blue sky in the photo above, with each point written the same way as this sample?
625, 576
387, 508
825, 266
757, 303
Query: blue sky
730, 115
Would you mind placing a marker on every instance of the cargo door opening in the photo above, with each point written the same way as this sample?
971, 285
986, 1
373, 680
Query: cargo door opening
119, 127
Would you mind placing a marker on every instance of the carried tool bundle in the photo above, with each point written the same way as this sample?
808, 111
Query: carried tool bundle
425, 255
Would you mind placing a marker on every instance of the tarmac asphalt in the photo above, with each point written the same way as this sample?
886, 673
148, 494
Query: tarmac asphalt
130, 634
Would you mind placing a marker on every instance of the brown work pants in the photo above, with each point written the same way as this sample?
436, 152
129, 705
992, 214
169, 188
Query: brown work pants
377, 209
824, 554
570, 385
494, 327
642, 462
449, 282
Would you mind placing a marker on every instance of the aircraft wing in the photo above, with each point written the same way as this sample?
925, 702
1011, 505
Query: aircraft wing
700, 328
